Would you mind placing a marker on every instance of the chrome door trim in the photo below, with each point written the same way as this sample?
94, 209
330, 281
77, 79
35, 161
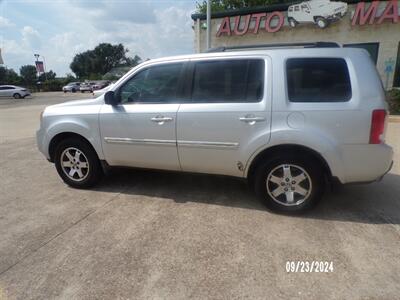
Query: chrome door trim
210, 145
113, 140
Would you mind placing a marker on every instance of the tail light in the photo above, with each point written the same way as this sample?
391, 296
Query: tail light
377, 126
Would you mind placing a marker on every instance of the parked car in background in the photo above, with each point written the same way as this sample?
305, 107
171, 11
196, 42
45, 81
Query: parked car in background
101, 84
97, 93
72, 87
13, 91
87, 87
288, 120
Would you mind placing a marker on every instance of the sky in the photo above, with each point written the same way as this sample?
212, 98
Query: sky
59, 29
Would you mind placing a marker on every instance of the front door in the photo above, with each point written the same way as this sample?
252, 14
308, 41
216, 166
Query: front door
141, 130
228, 117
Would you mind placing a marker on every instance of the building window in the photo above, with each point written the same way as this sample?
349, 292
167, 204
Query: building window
372, 48
396, 80
318, 80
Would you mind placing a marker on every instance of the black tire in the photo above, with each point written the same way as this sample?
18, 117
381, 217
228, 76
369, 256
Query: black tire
82, 92
94, 170
73, 90
292, 22
321, 22
314, 183
17, 96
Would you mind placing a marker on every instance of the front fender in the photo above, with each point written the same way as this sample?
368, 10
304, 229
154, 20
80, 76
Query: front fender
86, 127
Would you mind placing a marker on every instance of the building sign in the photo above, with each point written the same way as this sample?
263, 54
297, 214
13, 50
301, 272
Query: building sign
318, 12
362, 14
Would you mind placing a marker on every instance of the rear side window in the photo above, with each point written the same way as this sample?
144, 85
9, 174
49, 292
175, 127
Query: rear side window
318, 80
228, 81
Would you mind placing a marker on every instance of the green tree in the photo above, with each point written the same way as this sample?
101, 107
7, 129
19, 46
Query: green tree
28, 74
95, 63
221, 5
9, 76
47, 76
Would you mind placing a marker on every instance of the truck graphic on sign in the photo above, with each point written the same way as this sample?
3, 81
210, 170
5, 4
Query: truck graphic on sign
319, 12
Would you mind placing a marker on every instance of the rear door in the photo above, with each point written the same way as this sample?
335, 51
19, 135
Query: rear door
6, 91
227, 116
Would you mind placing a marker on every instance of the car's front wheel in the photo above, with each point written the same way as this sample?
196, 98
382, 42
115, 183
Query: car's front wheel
321, 22
77, 163
17, 96
292, 22
289, 184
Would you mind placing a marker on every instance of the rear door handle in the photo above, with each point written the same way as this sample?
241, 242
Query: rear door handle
251, 119
161, 119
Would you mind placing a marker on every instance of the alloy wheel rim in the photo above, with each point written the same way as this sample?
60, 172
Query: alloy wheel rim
74, 164
289, 185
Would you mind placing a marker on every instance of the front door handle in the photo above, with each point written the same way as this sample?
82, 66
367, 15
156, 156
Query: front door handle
161, 119
251, 119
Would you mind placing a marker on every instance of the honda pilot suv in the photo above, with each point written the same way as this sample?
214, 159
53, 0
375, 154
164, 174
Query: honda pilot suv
288, 119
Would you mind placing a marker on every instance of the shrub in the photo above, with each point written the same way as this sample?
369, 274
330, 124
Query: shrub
393, 98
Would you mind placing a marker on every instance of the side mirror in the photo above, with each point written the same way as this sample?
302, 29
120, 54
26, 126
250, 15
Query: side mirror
110, 99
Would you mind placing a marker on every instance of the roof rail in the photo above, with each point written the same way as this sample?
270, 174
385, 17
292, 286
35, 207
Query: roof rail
280, 45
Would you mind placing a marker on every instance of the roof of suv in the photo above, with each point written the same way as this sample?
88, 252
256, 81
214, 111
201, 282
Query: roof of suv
254, 52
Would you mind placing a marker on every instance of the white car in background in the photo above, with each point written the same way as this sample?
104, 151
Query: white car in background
14, 91
72, 87
319, 12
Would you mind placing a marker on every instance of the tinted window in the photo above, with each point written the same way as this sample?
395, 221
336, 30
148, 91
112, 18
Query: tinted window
228, 81
158, 84
318, 80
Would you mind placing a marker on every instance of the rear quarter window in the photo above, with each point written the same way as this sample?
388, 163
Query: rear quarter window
318, 80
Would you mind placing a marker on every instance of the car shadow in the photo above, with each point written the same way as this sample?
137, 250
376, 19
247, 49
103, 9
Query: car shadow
375, 203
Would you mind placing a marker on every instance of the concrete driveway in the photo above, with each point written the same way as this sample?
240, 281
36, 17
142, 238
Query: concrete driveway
143, 234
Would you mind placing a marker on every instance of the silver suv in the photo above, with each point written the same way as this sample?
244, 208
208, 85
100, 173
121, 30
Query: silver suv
289, 120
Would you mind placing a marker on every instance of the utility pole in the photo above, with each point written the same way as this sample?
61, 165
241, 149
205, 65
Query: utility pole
208, 24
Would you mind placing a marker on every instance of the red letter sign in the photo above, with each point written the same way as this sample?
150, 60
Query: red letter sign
360, 13
258, 20
237, 23
281, 19
225, 27
394, 15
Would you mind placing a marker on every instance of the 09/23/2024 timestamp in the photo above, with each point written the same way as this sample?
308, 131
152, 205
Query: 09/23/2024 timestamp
309, 266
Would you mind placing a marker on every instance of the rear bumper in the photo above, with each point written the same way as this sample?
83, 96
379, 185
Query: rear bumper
365, 163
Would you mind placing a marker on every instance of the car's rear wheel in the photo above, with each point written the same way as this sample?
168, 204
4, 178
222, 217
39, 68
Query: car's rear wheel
289, 183
17, 96
73, 90
77, 163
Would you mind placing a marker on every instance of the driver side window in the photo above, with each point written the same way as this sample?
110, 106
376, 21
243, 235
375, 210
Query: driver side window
158, 84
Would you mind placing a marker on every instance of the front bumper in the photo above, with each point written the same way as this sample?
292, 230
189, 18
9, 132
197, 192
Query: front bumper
41, 143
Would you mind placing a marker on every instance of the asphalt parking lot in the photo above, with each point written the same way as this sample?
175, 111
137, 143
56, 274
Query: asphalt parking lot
143, 234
